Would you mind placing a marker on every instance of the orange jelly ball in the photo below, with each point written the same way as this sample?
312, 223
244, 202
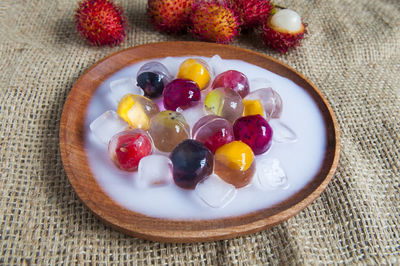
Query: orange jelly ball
234, 163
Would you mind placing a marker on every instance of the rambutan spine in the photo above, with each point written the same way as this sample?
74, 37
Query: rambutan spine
170, 16
252, 12
101, 22
214, 21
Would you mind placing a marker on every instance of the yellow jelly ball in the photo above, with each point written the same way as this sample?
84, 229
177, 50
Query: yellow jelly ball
253, 107
192, 69
137, 110
236, 155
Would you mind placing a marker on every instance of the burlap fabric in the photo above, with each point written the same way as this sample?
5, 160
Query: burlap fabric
352, 53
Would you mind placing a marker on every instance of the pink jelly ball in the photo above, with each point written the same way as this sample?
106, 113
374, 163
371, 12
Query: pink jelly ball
180, 93
233, 79
255, 131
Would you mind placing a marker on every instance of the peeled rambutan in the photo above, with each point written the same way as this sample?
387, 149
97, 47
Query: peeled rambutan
170, 16
214, 21
101, 22
283, 30
252, 12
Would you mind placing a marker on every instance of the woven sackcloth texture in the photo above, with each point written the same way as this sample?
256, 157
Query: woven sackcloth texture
352, 54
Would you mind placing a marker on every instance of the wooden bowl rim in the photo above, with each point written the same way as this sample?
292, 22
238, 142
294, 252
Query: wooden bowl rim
168, 230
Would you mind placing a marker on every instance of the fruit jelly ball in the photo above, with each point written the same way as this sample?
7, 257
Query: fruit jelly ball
233, 79
224, 102
234, 163
213, 131
152, 78
196, 70
192, 162
255, 131
268, 98
180, 93
253, 107
168, 129
137, 110
127, 148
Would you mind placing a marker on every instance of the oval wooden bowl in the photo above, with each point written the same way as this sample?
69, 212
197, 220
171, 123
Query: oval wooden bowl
136, 224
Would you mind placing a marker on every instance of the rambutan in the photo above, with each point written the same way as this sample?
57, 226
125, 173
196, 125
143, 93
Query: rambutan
252, 12
283, 30
170, 16
101, 22
214, 21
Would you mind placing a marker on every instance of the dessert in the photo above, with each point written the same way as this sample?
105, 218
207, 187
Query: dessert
213, 142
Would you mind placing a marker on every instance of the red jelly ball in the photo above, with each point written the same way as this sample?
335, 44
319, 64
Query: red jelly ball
127, 148
233, 79
180, 93
255, 131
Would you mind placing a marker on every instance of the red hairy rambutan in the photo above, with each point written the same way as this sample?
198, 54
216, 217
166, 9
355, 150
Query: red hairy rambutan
283, 30
101, 22
214, 21
252, 12
170, 16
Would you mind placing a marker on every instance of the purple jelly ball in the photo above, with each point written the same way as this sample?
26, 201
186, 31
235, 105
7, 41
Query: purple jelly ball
191, 163
233, 79
180, 93
255, 131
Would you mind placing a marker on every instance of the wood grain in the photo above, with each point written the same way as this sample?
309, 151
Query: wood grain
136, 224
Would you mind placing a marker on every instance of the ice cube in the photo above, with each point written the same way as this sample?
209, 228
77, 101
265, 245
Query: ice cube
120, 87
215, 192
154, 170
271, 175
193, 114
217, 64
107, 125
259, 83
282, 132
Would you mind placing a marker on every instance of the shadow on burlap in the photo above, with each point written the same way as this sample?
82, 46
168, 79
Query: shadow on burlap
352, 54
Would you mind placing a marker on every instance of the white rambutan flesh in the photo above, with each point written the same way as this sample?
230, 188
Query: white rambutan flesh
286, 20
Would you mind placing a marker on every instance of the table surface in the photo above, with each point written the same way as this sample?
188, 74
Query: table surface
351, 53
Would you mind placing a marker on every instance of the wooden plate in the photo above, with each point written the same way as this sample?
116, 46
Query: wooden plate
136, 224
